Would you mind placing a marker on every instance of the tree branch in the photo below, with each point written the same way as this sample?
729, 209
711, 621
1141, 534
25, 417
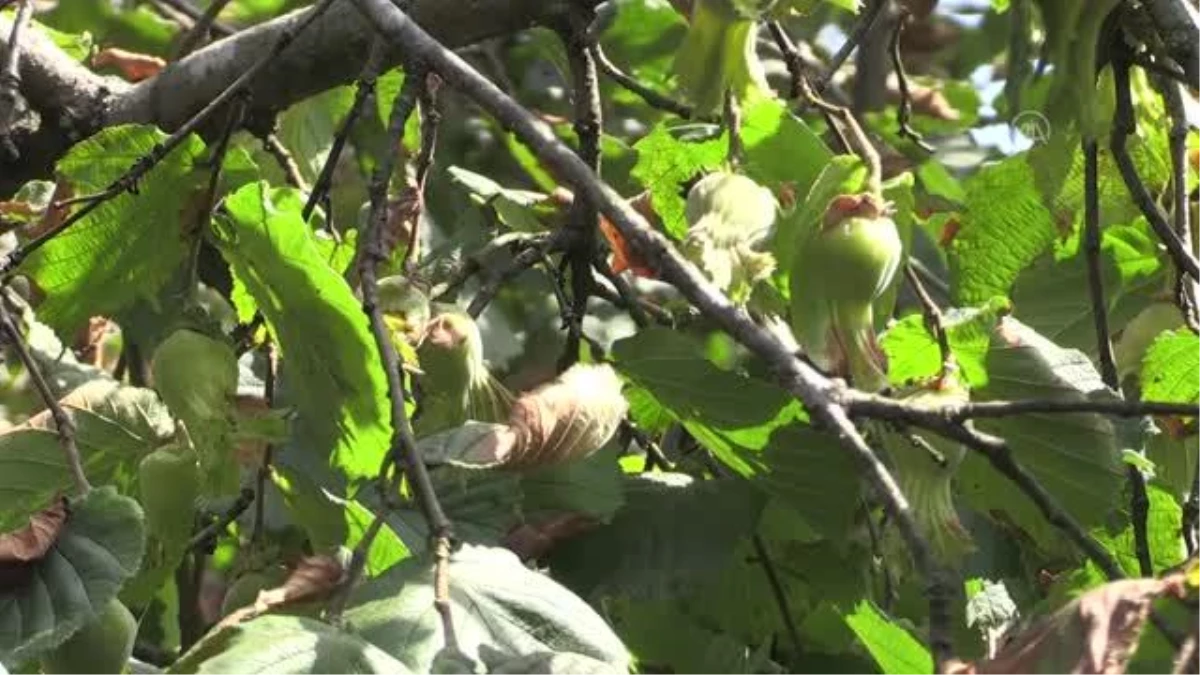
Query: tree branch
75, 102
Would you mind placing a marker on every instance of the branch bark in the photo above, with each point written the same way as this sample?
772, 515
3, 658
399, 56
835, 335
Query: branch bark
74, 102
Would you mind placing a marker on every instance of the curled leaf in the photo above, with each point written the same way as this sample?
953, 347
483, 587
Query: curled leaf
314, 577
133, 66
624, 257
32, 541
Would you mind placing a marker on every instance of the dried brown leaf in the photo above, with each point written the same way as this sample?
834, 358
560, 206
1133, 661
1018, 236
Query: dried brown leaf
534, 540
31, 542
133, 66
313, 578
1095, 633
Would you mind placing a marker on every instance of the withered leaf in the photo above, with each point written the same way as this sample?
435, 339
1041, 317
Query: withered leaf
313, 578
31, 542
133, 66
1097, 632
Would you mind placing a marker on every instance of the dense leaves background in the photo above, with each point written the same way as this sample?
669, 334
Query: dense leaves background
719, 529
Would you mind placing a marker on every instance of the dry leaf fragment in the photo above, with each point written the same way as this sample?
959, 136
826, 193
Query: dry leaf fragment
133, 66
1097, 632
534, 540
624, 257
314, 577
31, 542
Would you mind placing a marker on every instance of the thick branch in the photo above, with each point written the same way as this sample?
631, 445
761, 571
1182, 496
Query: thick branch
75, 102
1178, 24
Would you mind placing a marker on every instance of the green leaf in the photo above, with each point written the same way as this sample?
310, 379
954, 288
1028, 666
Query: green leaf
1075, 457
590, 487
99, 547
1052, 295
815, 476
129, 247
514, 208
1169, 368
724, 410
309, 127
672, 530
1005, 226
894, 648
780, 148
332, 367
665, 163
913, 353
500, 608
1164, 522
115, 426
285, 644
483, 505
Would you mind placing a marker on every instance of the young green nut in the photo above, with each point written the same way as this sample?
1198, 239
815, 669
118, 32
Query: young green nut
728, 215
102, 645
195, 375
844, 265
405, 305
455, 382
169, 483
925, 465
569, 418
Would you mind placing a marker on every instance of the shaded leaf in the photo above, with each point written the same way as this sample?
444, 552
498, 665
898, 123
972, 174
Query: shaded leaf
285, 644
32, 542
115, 426
498, 605
43, 602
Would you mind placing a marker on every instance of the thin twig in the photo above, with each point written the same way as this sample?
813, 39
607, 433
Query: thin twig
904, 109
431, 117
264, 467
283, 157
1139, 503
487, 291
1186, 290
732, 118
864, 24
215, 162
403, 444
874, 533
651, 97
200, 30
1091, 248
855, 138
637, 308
582, 219
795, 64
933, 320
880, 407
1123, 125
128, 180
1191, 516
62, 421
653, 451
239, 506
362, 94
777, 592
194, 13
